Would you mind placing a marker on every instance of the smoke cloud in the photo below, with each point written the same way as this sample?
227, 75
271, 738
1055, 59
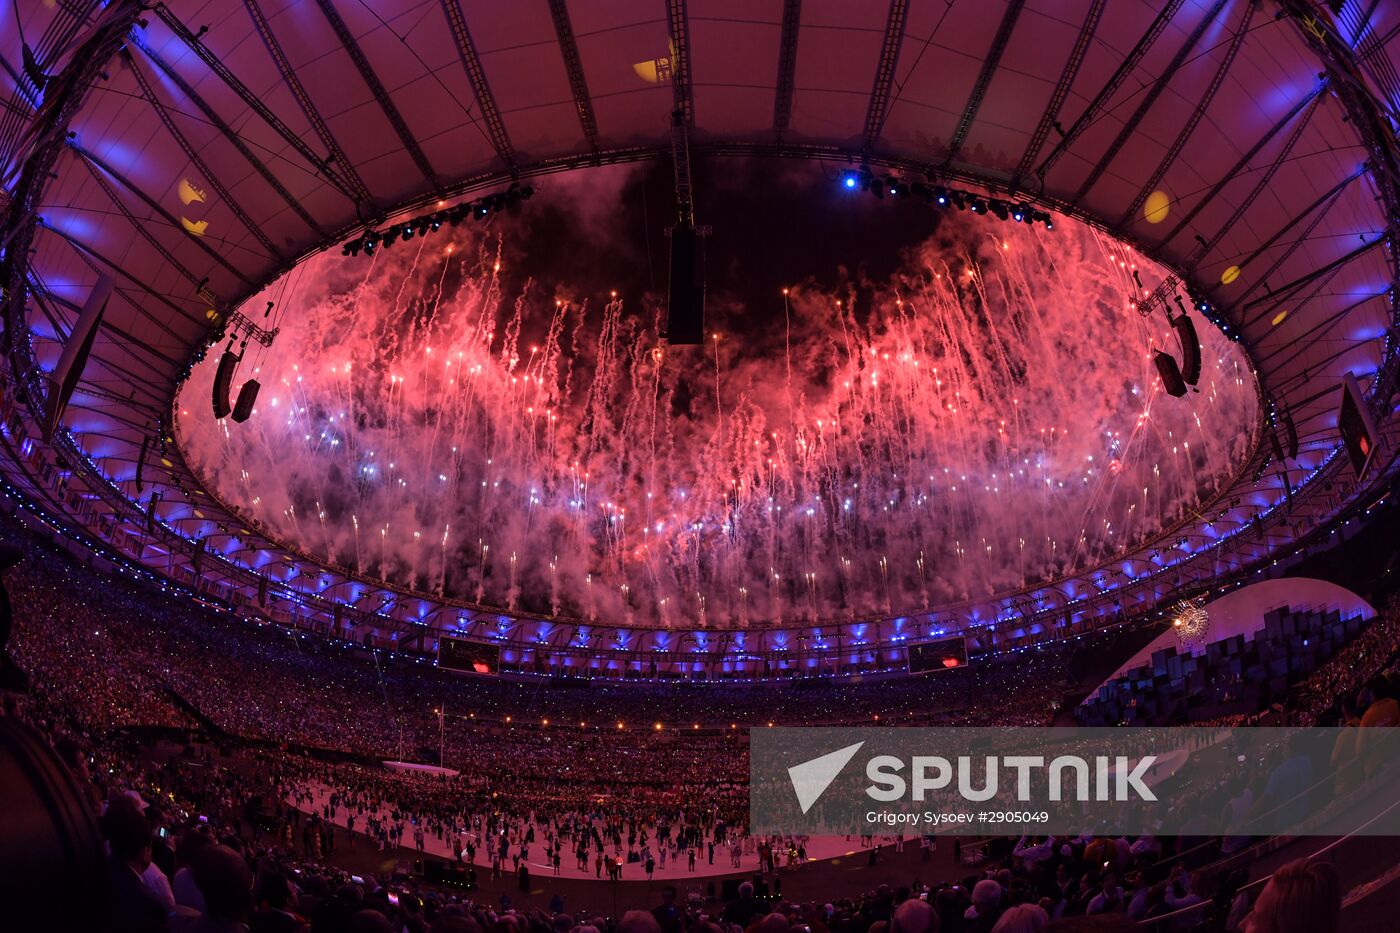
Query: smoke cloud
986, 419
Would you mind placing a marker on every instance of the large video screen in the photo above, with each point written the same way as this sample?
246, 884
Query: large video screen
1357, 429
457, 654
941, 655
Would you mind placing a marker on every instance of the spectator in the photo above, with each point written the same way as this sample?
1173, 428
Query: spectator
226, 882
638, 921
134, 909
986, 906
1304, 896
1023, 918
668, 915
742, 911
276, 913
914, 916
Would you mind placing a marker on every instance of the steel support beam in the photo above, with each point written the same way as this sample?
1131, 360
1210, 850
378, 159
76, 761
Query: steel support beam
1158, 87
251, 100
155, 205
1196, 115
879, 106
381, 94
1242, 164
787, 67
1110, 88
1315, 274
678, 29
984, 77
337, 167
1326, 202
227, 131
1051, 115
196, 159
44, 296
1203, 249
142, 229
87, 250
573, 66
476, 77
1328, 321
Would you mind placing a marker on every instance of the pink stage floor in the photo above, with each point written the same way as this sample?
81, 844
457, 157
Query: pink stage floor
818, 849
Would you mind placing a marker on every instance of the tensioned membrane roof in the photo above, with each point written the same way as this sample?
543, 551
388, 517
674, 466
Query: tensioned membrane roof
1246, 144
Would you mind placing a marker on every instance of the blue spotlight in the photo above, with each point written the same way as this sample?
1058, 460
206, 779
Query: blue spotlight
849, 180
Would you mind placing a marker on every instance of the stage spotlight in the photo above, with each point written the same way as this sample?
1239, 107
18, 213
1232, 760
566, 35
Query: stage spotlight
978, 206
850, 181
940, 195
1018, 214
999, 208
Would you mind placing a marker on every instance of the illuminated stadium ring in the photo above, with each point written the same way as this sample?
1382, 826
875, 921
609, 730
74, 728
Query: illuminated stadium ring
1247, 195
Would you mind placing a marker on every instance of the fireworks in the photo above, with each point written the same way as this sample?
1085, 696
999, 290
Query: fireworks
988, 420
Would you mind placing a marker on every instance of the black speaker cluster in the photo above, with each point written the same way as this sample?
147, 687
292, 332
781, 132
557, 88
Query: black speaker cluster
477, 209
685, 307
942, 196
242, 409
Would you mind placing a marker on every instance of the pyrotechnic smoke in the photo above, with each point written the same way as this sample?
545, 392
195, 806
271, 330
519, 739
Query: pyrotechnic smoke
987, 420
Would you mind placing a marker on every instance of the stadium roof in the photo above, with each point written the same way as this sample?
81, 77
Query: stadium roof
196, 150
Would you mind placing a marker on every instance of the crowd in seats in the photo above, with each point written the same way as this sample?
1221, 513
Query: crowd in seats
206, 838
1321, 698
72, 625
152, 646
188, 852
1233, 678
201, 841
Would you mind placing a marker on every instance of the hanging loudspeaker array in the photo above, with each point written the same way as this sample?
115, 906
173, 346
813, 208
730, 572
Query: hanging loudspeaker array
1190, 349
223, 379
247, 397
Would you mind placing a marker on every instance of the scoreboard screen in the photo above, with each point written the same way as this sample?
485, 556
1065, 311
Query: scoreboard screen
458, 654
1357, 429
941, 655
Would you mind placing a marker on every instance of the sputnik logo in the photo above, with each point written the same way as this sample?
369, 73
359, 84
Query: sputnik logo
811, 778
